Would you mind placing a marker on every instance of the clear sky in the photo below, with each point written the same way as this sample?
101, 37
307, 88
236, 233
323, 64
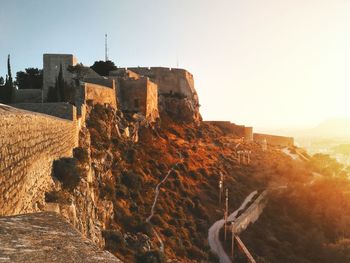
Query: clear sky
268, 63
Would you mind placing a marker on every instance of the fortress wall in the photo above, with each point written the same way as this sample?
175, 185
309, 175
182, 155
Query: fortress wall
251, 214
58, 109
27, 95
274, 139
99, 94
101, 81
233, 129
248, 133
29, 142
170, 80
133, 94
52, 64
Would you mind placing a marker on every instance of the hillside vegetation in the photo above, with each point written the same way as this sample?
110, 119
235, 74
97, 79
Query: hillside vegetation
309, 222
193, 155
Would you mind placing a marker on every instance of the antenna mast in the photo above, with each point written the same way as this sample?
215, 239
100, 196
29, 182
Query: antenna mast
106, 48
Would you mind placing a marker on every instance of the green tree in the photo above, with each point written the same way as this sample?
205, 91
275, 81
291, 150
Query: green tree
103, 67
8, 89
2, 81
60, 85
31, 78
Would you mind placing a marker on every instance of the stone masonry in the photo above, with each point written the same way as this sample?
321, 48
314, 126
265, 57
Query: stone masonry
29, 142
52, 64
46, 237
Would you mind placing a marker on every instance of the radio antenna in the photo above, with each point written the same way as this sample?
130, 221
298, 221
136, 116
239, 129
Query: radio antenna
106, 48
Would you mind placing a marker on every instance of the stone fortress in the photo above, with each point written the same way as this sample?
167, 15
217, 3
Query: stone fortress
50, 130
42, 138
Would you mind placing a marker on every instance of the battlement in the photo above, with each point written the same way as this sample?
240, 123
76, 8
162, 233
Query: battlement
169, 80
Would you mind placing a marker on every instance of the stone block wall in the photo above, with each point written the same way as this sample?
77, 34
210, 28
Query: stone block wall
170, 80
51, 65
27, 96
139, 95
229, 128
274, 139
29, 143
62, 110
98, 94
251, 214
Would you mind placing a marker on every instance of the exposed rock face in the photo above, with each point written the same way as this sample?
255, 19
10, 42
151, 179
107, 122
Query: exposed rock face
180, 109
46, 237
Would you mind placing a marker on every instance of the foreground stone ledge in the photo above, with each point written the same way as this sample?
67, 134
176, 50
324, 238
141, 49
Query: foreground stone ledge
46, 237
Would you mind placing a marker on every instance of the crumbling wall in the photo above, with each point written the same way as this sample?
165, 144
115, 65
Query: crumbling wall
62, 110
29, 142
274, 139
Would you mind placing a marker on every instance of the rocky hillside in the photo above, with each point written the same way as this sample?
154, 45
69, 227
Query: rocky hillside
108, 189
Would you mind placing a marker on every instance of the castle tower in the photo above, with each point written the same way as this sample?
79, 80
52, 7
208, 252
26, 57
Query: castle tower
52, 64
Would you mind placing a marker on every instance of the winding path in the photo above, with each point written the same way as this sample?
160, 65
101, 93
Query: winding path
213, 234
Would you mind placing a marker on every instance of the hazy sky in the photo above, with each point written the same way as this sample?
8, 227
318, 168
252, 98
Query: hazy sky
270, 63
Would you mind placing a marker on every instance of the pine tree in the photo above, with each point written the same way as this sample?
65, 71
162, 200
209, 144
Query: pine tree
9, 73
9, 89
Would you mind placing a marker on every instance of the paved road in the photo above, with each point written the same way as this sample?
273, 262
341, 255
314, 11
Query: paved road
213, 234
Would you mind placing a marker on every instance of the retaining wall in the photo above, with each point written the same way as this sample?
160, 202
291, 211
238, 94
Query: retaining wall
251, 214
29, 142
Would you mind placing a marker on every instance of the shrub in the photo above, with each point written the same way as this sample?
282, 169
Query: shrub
61, 197
158, 220
145, 228
132, 180
153, 256
81, 154
67, 171
169, 232
195, 253
114, 240
130, 155
121, 190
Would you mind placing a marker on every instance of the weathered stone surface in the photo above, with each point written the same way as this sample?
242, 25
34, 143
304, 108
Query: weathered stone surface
61, 110
29, 142
139, 95
98, 94
179, 109
52, 65
46, 237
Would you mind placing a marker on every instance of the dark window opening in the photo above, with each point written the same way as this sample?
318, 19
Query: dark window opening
136, 103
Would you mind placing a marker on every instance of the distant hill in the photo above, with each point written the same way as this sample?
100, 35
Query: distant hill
332, 128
